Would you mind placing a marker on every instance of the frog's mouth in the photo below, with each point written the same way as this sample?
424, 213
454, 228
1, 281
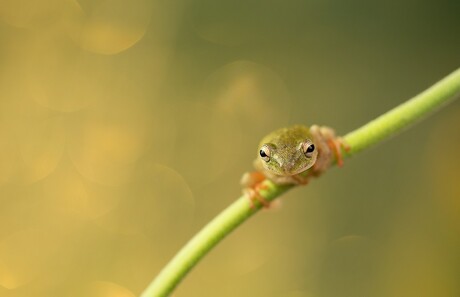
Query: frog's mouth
289, 170
296, 172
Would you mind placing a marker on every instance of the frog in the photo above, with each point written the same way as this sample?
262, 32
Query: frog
292, 156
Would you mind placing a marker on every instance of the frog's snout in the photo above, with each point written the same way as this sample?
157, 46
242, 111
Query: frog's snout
286, 167
289, 168
293, 167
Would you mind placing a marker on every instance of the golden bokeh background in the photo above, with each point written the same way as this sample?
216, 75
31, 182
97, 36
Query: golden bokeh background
126, 125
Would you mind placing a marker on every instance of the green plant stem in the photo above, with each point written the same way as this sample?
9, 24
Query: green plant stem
372, 133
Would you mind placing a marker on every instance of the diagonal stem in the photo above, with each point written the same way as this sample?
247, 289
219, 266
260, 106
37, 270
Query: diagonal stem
377, 130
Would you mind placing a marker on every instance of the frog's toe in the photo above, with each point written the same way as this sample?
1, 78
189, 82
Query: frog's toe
337, 144
344, 144
255, 198
335, 147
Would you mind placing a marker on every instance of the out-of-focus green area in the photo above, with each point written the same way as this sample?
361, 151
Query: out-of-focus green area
126, 125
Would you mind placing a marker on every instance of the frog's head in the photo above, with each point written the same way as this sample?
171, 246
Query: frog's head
288, 159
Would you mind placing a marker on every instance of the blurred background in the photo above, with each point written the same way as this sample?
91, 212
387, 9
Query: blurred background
125, 126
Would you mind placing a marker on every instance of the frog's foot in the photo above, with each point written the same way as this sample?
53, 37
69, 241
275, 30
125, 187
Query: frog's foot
329, 145
252, 184
337, 144
251, 179
321, 137
254, 196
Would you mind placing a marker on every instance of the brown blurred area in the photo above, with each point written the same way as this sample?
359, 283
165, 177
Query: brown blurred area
126, 125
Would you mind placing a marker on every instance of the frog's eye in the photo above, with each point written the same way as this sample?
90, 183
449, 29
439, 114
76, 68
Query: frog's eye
308, 148
265, 153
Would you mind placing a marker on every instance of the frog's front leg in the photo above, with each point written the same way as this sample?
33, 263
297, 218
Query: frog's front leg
252, 184
251, 179
329, 146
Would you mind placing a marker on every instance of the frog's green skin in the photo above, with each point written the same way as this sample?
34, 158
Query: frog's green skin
288, 163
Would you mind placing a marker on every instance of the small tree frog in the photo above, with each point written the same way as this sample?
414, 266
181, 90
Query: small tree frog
292, 156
